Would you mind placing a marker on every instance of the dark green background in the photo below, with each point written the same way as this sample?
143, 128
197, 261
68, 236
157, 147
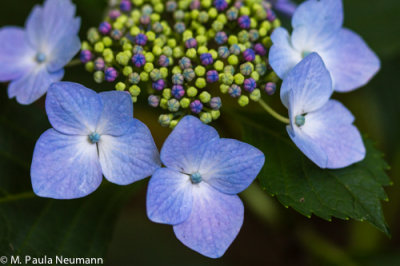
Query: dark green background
271, 234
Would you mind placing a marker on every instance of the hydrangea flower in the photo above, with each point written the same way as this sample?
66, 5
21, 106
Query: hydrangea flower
34, 57
196, 193
317, 27
322, 128
92, 134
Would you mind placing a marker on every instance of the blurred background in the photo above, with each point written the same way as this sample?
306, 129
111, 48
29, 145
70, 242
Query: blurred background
112, 223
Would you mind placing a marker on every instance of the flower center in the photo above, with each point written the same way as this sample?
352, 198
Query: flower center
300, 120
40, 57
94, 137
195, 178
305, 53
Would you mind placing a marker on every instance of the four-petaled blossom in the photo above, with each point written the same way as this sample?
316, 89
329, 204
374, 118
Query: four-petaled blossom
196, 193
317, 27
92, 134
34, 57
322, 128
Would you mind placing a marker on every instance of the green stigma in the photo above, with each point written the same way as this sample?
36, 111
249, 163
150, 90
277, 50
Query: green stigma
195, 178
94, 137
40, 57
300, 120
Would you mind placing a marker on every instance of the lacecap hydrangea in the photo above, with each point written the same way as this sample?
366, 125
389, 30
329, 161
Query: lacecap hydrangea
185, 54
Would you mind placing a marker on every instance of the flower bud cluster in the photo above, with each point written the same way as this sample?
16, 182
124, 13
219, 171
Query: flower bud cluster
185, 54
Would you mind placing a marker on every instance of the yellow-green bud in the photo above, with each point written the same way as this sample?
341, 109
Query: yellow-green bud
148, 67
224, 88
107, 41
144, 76
206, 117
120, 86
185, 102
167, 94
205, 97
99, 47
200, 83
243, 100
239, 79
200, 71
89, 66
134, 90
255, 95
127, 70
192, 92
215, 114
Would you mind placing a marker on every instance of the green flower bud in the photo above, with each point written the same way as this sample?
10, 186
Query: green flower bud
107, 41
243, 100
99, 47
239, 79
134, 90
167, 94
122, 58
191, 92
200, 71
98, 76
200, 83
185, 102
206, 117
164, 103
89, 66
93, 35
233, 59
148, 67
224, 88
226, 79
165, 120
144, 76
255, 95
205, 97
127, 70
120, 86
215, 114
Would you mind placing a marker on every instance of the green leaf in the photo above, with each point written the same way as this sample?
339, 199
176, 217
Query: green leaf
35, 226
353, 192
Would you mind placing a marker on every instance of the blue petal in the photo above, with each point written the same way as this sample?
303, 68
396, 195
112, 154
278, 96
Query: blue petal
169, 197
64, 167
287, 7
72, 108
331, 128
350, 61
310, 85
130, 157
214, 222
184, 148
282, 56
321, 18
33, 85
16, 55
230, 166
52, 29
117, 113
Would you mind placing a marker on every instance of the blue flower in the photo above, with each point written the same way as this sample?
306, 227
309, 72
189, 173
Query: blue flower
322, 128
92, 134
34, 57
317, 27
196, 193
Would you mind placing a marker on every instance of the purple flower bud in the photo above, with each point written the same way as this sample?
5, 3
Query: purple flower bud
221, 37
196, 106
114, 14
195, 4
139, 60
206, 59
244, 22
141, 39
179, 27
159, 85
177, 79
116, 34
250, 84
238, 4
145, 19
110, 74
171, 6
223, 52
270, 15
99, 64
85, 56
177, 91
220, 5
270, 88
163, 61
249, 55
260, 49
215, 103
153, 100
212, 76
185, 63
235, 91
125, 5
105, 27
191, 43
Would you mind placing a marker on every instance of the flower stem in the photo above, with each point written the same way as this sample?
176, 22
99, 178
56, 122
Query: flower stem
272, 112
73, 63
20, 196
